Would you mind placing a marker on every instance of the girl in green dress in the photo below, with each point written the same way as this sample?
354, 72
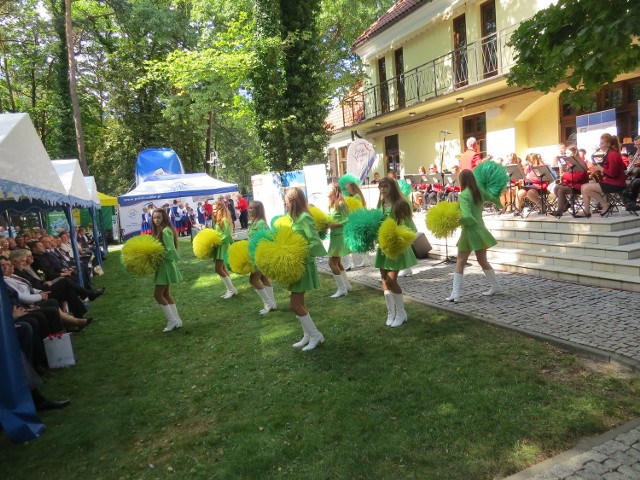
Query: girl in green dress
303, 223
222, 224
474, 236
258, 281
394, 205
167, 272
337, 248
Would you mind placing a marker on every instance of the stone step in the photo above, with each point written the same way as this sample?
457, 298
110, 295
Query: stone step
622, 252
622, 237
615, 223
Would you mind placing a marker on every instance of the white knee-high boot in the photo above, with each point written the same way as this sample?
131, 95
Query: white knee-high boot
272, 298
174, 310
346, 281
455, 293
401, 314
496, 288
305, 338
391, 307
315, 337
171, 320
231, 290
265, 300
342, 288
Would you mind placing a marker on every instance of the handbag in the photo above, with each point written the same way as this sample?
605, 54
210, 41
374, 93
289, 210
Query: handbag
59, 350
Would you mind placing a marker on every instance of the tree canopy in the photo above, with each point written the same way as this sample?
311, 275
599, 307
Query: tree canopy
586, 43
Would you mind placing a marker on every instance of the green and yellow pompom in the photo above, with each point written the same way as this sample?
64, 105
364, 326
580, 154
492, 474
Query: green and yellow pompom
443, 219
255, 239
281, 221
405, 188
205, 243
285, 258
143, 255
394, 239
239, 259
352, 203
321, 220
361, 231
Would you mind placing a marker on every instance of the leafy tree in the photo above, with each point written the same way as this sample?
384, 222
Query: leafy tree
586, 43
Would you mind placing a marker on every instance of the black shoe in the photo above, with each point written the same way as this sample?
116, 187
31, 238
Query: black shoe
588, 215
96, 293
46, 404
556, 213
607, 211
89, 322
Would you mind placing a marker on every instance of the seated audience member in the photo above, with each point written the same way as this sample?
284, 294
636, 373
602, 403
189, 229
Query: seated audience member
4, 248
31, 344
532, 186
376, 178
53, 264
30, 297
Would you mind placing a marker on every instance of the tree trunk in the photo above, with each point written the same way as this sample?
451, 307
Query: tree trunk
73, 89
207, 150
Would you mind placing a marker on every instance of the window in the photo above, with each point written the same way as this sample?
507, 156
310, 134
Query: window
333, 162
392, 154
460, 51
400, 78
489, 39
612, 97
384, 89
342, 158
475, 126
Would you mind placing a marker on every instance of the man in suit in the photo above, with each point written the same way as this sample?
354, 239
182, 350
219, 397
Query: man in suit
471, 158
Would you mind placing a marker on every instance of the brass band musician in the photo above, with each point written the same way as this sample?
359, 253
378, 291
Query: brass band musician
610, 173
570, 182
630, 194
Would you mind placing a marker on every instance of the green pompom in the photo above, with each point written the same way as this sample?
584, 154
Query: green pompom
405, 188
205, 243
493, 178
285, 258
394, 238
361, 231
443, 219
143, 254
347, 178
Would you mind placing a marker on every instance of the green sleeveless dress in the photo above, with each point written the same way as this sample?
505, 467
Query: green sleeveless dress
474, 235
305, 226
227, 240
337, 248
406, 260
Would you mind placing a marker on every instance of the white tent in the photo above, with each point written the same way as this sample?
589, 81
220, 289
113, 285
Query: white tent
90, 183
71, 176
25, 167
165, 189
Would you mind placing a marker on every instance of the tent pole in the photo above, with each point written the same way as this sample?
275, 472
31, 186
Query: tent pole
74, 244
96, 237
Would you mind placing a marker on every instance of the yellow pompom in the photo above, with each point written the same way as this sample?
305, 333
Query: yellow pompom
239, 259
284, 259
205, 243
320, 218
394, 238
443, 219
283, 221
352, 203
142, 255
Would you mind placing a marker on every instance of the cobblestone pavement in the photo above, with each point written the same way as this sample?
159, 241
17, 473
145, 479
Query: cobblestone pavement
591, 320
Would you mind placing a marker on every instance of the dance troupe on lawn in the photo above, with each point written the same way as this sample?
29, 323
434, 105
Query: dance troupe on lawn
286, 251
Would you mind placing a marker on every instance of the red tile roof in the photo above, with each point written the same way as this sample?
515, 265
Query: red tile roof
348, 112
397, 12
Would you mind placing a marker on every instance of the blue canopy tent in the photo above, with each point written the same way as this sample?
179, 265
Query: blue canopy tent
29, 181
155, 162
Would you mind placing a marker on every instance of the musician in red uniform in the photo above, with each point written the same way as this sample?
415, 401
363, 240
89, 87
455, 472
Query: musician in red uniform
571, 182
630, 194
611, 173
532, 186
471, 158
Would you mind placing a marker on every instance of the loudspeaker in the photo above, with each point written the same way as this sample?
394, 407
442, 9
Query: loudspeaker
421, 246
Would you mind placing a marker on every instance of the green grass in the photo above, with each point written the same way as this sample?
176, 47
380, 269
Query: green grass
226, 397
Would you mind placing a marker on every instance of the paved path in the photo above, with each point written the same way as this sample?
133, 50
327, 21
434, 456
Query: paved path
599, 322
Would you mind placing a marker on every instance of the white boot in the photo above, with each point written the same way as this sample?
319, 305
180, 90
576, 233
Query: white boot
346, 281
407, 272
272, 297
305, 338
391, 307
174, 310
231, 290
496, 288
401, 314
315, 337
342, 288
455, 293
347, 261
265, 300
171, 320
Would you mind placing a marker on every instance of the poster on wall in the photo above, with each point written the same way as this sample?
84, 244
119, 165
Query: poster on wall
360, 158
591, 126
317, 188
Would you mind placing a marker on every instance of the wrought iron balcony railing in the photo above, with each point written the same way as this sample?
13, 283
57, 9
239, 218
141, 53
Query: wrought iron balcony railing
488, 57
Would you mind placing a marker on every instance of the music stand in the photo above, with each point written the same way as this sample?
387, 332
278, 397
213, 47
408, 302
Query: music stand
436, 179
544, 174
515, 173
574, 165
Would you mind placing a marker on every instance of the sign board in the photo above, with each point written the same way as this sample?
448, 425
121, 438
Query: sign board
360, 158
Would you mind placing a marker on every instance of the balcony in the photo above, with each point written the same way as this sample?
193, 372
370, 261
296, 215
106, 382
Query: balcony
479, 61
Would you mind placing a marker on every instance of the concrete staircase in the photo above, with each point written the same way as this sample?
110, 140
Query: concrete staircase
598, 251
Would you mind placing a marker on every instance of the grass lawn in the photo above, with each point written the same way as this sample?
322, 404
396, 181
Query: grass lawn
226, 397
